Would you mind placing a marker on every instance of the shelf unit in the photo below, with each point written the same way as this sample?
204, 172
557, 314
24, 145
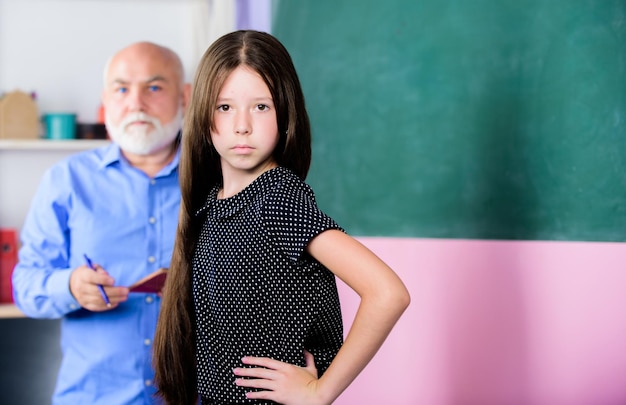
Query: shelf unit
10, 311
46, 144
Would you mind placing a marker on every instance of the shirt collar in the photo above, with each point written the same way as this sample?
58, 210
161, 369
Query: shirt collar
113, 154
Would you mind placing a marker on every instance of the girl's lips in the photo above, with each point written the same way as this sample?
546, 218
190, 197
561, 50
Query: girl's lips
242, 148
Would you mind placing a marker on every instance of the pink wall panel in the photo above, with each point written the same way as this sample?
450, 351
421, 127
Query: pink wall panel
500, 322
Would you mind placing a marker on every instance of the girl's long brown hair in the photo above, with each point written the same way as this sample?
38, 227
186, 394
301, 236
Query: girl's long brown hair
199, 171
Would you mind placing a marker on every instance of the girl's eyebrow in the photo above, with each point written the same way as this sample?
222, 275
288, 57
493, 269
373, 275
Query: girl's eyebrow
254, 99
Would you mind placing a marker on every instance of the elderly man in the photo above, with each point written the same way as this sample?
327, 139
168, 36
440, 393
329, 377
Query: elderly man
118, 206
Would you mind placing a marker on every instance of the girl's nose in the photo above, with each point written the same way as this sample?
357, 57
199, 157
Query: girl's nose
242, 124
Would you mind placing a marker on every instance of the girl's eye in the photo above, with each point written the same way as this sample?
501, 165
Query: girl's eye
262, 107
223, 107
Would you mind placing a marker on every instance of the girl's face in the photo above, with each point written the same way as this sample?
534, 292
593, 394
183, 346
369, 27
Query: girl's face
245, 129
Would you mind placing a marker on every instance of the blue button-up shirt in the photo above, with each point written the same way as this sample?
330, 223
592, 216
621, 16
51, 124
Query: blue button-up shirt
96, 203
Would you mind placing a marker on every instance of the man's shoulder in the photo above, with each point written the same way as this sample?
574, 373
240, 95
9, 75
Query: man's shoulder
88, 158
80, 164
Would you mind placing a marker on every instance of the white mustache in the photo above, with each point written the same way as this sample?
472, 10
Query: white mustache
139, 116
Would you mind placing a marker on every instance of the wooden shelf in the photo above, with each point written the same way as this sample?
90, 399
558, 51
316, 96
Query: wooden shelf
47, 144
10, 311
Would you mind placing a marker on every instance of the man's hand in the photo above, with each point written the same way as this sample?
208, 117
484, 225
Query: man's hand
84, 287
280, 382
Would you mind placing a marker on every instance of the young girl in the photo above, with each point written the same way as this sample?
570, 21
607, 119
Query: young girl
250, 311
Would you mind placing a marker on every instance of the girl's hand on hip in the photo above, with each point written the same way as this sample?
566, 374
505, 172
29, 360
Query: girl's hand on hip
278, 381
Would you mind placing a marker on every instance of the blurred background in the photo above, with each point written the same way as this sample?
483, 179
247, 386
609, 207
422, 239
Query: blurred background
477, 147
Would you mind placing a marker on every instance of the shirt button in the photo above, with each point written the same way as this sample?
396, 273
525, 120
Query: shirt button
148, 383
147, 342
151, 259
149, 299
152, 220
152, 181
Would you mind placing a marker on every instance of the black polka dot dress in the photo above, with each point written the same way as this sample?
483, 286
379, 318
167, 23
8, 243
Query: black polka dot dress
256, 291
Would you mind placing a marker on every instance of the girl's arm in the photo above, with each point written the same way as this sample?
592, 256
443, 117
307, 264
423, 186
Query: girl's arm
383, 299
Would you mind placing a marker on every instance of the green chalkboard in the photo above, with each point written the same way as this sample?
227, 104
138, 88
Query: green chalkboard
501, 119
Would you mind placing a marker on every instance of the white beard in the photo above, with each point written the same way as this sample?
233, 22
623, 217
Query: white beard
140, 140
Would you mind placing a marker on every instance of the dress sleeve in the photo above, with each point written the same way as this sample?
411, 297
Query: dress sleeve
292, 218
